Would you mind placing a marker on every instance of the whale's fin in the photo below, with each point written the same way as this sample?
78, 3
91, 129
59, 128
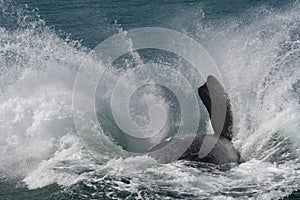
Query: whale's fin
218, 106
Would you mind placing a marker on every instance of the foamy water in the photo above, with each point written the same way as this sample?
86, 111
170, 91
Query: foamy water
259, 60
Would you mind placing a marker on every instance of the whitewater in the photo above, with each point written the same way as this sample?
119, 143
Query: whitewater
258, 54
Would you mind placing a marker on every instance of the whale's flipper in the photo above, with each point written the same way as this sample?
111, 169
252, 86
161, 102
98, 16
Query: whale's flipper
219, 109
216, 149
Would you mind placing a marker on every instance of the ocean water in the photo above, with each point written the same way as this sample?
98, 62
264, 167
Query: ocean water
255, 44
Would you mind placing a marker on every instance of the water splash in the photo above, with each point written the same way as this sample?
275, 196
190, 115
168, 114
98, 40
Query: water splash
260, 60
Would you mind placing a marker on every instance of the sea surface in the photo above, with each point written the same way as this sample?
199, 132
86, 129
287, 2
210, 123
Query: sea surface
254, 43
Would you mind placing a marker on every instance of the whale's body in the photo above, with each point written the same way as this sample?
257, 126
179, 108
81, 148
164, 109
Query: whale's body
220, 147
222, 152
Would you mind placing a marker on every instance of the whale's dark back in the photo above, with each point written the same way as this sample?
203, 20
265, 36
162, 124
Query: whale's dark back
213, 94
218, 106
222, 152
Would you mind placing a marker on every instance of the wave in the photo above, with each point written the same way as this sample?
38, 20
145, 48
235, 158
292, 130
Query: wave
258, 54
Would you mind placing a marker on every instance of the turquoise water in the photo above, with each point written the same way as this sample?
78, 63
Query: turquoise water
256, 45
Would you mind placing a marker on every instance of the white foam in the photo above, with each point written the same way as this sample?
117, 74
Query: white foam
37, 133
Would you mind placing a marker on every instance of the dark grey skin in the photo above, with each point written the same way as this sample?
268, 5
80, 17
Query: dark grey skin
213, 96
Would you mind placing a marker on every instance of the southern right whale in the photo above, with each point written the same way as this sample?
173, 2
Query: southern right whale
221, 150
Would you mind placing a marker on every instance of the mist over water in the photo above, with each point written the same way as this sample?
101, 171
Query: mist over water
256, 47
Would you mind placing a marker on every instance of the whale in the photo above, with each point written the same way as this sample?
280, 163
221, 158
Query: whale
218, 147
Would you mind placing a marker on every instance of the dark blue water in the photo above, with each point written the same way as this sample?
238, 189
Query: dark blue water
93, 21
256, 44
